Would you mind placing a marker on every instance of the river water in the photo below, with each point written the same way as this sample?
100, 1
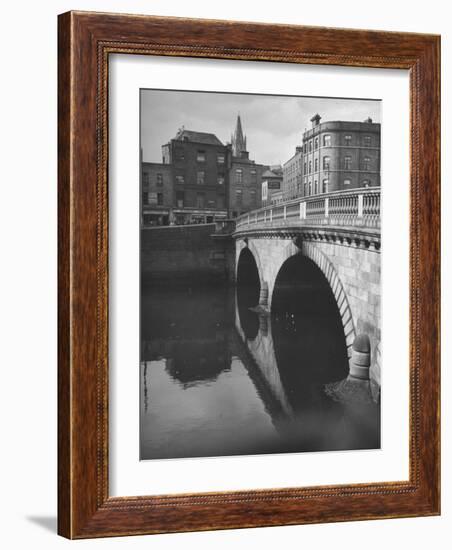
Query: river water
218, 378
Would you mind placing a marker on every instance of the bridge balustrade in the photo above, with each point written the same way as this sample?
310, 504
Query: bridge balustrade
356, 207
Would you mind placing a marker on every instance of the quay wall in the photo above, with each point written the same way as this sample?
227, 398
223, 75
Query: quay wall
186, 254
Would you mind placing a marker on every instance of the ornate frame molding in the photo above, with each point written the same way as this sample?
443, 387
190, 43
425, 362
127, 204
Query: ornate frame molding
85, 42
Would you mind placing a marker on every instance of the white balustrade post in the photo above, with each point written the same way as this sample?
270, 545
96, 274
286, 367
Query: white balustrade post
271, 215
285, 211
360, 205
327, 205
265, 216
302, 210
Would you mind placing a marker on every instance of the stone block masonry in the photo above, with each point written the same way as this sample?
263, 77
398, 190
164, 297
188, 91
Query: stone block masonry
352, 272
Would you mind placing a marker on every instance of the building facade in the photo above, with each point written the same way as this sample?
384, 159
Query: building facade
200, 164
245, 176
271, 186
156, 193
340, 155
292, 175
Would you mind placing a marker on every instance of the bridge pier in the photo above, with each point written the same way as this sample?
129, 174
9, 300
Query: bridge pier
263, 295
357, 387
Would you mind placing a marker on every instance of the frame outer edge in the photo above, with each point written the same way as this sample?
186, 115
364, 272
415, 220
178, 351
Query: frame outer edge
64, 293
81, 512
430, 247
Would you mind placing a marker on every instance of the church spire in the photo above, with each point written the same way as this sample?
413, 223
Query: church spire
238, 139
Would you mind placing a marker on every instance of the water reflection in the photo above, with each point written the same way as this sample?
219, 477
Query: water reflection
220, 379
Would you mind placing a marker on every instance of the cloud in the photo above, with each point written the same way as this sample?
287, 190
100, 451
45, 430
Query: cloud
273, 124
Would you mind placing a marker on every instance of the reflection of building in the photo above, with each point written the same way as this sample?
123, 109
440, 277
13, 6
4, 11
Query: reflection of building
245, 177
292, 175
271, 186
199, 164
340, 155
156, 193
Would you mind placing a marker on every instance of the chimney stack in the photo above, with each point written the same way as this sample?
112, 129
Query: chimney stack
315, 120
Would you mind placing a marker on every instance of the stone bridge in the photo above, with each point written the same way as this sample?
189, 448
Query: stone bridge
338, 236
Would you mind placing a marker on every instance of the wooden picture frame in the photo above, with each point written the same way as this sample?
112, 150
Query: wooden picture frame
85, 42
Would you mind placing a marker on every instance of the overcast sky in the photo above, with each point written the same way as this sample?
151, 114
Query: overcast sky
273, 124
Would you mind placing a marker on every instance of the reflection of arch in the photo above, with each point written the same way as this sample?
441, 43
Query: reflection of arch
312, 252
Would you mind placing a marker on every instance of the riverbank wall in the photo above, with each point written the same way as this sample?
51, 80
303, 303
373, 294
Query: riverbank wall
187, 254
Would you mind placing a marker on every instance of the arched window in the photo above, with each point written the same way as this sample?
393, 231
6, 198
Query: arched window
347, 162
327, 140
316, 143
326, 163
316, 187
325, 185
310, 188
316, 165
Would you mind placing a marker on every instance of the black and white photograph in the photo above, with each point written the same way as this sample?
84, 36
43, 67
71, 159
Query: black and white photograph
260, 274
225, 233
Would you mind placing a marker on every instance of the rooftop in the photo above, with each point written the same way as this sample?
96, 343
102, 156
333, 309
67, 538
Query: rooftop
197, 137
270, 174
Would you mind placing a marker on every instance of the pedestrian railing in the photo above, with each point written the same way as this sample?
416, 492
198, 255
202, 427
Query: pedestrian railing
357, 207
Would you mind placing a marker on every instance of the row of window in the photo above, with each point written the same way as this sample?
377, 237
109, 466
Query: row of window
239, 197
152, 198
201, 157
147, 179
366, 164
239, 175
201, 177
292, 167
308, 189
156, 199
201, 201
212, 203
346, 140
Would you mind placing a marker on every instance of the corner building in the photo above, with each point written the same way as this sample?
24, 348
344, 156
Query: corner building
340, 155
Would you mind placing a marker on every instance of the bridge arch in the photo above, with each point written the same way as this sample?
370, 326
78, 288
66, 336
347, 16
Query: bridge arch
308, 268
248, 279
269, 269
251, 247
312, 252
